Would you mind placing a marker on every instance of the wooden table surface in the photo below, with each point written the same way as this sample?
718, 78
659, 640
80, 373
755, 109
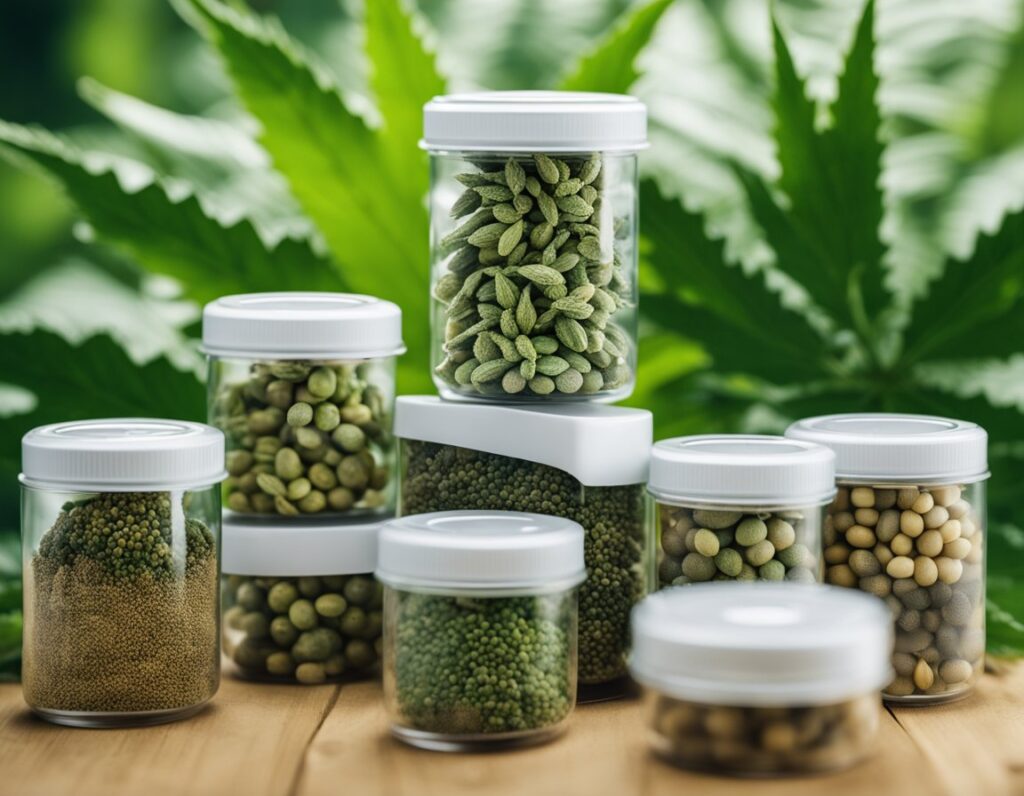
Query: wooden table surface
273, 739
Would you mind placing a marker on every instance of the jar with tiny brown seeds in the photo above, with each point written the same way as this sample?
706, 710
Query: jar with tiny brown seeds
908, 525
303, 387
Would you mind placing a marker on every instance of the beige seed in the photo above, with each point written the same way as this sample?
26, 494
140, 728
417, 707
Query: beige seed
924, 503
866, 516
967, 527
930, 543
935, 517
946, 495
925, 571
976, 554
901, 545
955, 670
900, 567
883, 554
958, 548
923, 675
862, 497
836, 554
859, 536
906, 497
841, 575
958, 509
950, 570
911, 523
950, 530
843, 521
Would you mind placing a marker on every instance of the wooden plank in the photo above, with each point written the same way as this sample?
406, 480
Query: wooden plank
977, 744
251, 739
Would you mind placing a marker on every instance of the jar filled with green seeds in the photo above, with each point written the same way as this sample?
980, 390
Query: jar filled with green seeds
584, 462
740, 507
908, 525
533, 240
761, 679
303, 386
480, 616
301, 603
120, 551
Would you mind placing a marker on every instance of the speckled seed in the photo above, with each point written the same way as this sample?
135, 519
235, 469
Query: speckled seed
751, 531
760, 553
780, 533
716, 520
888, 525
864, 563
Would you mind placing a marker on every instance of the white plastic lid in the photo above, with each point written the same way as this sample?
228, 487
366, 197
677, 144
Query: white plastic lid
302, 325
762, 644
598, 445
498, 552
266, 549
535, 121
122, 455
897, 448
742, 470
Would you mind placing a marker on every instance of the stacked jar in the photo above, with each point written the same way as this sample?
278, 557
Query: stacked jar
908, 525
303, 386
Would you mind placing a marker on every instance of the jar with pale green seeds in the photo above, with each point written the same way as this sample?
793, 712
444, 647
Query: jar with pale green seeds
302, 384
533, 244
742, 508
301, 625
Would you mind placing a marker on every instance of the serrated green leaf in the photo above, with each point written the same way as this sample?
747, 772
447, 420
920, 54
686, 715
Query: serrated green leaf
1005, 590
610, 65
976, 307
170, 236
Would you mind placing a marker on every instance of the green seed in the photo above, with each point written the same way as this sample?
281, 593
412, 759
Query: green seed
751, 531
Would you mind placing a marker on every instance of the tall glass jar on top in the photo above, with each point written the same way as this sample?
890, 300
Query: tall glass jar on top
303, 386
533, 241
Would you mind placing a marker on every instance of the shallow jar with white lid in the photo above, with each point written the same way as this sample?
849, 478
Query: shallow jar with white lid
585, 462
120, 531
300, 600
740, 507
761, 679
303, 386
908, 525
480, 613
533, 241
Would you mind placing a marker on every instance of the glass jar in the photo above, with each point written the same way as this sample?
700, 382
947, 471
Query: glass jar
740, 507
480, 612
300, 600
586, 463
908, 525
761, 679
303, 386
533, 244
120, 553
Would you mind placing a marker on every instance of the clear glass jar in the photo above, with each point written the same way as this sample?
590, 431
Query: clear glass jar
533, 207
303, 386
740, 507
480, 613
761, 679
501, 458
908, 525
300, 625
120, 547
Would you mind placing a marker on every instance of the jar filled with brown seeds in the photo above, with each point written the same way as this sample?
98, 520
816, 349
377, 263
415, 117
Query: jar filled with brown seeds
739, 508
302, 384
908, 525
533, 244
760, 680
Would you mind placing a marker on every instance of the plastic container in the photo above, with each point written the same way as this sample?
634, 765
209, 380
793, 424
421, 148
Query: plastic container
761, 679
120, 535
908, 525
480, 612
533, 244
740, 507
300, 601
303, 386
584, 462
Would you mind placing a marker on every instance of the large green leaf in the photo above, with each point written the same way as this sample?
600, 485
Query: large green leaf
172, 236
610, 65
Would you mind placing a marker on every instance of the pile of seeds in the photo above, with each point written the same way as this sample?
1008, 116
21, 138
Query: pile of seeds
123, 612
305, 438
533, 282
447, 478
702, 544
764, 740
464, 665
921, 550
307, 629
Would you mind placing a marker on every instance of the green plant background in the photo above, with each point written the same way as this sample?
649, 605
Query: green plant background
831, 208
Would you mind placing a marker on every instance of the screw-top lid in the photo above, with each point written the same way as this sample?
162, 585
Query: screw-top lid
598, 445
498, 552
897, 448
122, 455
762, 644
300, 548
742, 470
535, 121
302, 325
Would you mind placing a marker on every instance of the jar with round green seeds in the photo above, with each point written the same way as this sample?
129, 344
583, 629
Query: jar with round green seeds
735, 507
300, 602
303, 386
